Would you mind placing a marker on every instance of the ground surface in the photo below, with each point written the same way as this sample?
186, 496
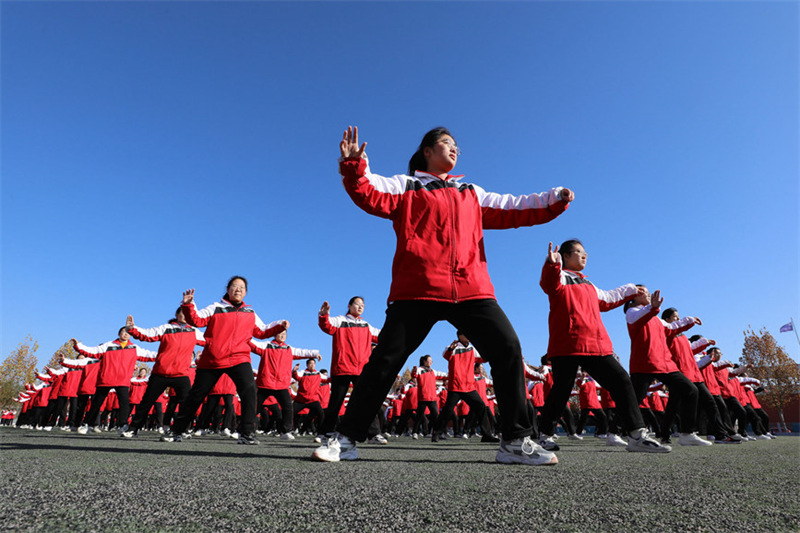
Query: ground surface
68, 482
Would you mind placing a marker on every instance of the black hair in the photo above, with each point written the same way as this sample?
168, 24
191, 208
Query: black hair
230, 282
354, 298
123, 328
417, 161
178, 310
694, 338
545, 360
668, 312
310, 359
421, 359
567, 247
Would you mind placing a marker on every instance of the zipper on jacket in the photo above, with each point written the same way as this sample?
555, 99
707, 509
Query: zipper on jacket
452, 243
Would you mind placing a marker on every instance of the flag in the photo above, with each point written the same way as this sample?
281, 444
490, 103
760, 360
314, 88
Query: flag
787, 327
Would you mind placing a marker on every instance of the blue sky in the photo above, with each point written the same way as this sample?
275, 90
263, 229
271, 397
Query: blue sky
152, 147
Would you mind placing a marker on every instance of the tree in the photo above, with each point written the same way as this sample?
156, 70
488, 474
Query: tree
17, 369
778, 373
67, 351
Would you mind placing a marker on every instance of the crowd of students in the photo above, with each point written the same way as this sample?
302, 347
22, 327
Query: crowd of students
439, 273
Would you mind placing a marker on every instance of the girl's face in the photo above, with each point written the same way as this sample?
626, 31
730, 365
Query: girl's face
576, 259
356, 308
237, 291
442, 156
124, 335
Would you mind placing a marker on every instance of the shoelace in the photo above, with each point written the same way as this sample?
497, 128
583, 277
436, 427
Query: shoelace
527, 446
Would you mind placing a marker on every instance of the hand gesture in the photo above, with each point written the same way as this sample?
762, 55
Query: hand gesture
552, 254
285, 324
188, 296
129, 322
325, 309
656, 300
567, 195
319, 357
349, 145
712, 342
296, 367
697, 321
74, 341
413, 369
453, 345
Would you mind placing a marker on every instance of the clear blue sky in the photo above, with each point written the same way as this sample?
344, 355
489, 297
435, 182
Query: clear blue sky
152, 147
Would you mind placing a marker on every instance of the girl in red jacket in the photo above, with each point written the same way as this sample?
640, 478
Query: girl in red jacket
353, 338
230, 324
578, 338
440, 273
651, 359
117, 360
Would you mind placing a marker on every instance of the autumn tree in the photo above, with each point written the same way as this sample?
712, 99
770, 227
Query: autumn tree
778, 373
16, 370
67, 351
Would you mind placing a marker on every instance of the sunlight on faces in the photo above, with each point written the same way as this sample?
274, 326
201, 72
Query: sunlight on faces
356, 308
442, 156
281, 337
237, 290
576, 259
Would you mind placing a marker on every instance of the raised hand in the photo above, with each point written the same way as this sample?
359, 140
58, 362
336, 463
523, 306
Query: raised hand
325, 309
698, 321
552, 254
453, 345
567, 195
349, 144
656, 300
285, 324
188, 296
712, 342
319, 357
129, 322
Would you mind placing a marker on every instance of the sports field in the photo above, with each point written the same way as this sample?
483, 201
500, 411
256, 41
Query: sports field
69, 482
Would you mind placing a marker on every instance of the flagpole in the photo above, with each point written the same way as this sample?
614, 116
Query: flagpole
795, 330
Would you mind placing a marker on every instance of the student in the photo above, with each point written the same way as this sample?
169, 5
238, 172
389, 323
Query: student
578, 338
275, 375
427, 399
439, 273
116, 360
230, 324
590, 403
651, 359
177, 340
308, 392
352, 341
461, 359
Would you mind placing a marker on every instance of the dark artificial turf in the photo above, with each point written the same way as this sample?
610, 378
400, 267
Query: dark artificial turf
68, 482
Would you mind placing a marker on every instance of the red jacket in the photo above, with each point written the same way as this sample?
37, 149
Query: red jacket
649, 351
708, 374
308, 384
426, 382
176, 348
587, 395
116, 361
439, 227
72, 379
683, 354
353, 338
461, 368
228, 332
224, 385
275, 368
575, 305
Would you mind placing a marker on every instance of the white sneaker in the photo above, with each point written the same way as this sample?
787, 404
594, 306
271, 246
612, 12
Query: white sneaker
615, 440
770, 435
415, 436
226, 432
129, 434
287, 436
199, 432
318, 439
378, 439
235, 435
642, 442
548, 443
83, 430
758, 437
337, 448
692, 439
573, 436
48, 428
97, 430
524, 452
